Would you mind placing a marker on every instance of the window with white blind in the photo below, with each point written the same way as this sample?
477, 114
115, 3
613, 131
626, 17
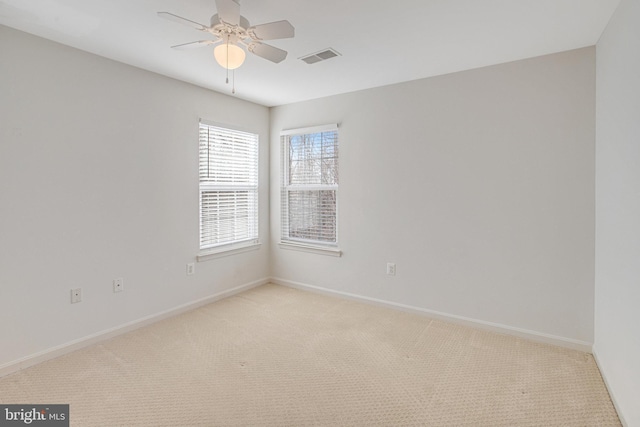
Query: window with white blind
310, 186
228, 187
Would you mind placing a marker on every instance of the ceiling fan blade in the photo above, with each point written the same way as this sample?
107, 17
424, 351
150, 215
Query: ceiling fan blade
265, 51
228, 11
272, 31
181, 20
194, 45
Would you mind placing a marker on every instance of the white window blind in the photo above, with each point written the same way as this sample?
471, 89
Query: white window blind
310, 185
228, 186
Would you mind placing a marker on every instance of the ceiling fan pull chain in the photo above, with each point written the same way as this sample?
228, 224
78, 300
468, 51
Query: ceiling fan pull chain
227, 60
233, 79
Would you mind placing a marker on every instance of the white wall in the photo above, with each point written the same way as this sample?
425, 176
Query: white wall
479, 185
617, 312
98, 179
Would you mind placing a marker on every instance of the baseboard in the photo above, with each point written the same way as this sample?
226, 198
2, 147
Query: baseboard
452, 318
57, 351
606, 383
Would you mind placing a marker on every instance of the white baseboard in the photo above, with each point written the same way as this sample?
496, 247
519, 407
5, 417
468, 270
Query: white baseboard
57, 351
452, 318
606, 383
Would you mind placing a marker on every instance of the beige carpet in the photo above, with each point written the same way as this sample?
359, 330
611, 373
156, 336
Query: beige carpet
275, 356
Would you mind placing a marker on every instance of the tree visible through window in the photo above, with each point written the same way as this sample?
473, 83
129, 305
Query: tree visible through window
228, 186
310, 186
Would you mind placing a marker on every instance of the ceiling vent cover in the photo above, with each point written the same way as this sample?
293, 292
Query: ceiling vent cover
323, 55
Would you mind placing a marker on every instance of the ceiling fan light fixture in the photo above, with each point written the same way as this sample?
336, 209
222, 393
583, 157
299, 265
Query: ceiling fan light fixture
229, 56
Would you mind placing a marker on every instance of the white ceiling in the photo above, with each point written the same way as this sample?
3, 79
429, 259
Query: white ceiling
381, 42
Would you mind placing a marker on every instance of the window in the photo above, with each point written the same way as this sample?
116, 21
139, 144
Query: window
310, 186
228, 187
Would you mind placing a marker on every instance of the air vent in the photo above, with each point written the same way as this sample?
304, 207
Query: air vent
323, 55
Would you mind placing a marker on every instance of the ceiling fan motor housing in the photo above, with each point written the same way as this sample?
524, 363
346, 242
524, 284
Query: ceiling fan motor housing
219, 28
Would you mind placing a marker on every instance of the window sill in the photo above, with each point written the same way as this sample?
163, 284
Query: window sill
209, 254
320, 250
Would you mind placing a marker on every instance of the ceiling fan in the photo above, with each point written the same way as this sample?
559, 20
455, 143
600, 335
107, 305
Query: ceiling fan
231, 31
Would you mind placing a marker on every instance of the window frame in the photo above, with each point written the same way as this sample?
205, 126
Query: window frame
252, 242
297, 243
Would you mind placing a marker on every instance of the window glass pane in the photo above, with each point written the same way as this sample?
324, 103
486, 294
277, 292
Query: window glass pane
313, 158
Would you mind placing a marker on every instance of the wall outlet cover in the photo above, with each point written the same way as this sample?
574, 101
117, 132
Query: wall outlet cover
76, 295
391, 269
118, 285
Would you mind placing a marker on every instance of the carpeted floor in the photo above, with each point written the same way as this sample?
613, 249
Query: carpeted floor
275, 356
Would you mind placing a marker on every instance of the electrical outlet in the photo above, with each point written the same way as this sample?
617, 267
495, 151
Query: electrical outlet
191, 269
118, 285
391, 269
76, 295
